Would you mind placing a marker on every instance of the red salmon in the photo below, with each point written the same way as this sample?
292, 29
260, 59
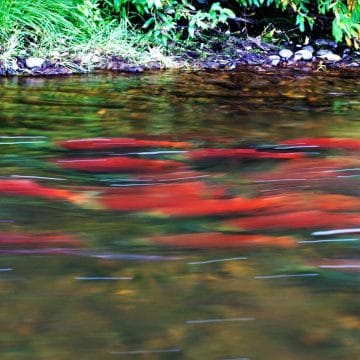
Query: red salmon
38, 240
297, 220
119, 164
329, 143
25, 187
239, 154
119, 143
222, 241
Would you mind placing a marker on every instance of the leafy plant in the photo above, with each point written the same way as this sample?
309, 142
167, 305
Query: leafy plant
167, 21
345, 15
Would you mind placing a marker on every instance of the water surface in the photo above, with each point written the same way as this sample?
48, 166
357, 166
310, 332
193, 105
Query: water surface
109, 290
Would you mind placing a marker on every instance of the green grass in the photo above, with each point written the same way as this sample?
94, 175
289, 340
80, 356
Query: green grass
70, 32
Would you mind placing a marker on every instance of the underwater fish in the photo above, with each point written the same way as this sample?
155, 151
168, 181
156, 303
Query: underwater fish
343, 265
9, 239
305, 170
118, 164
222, 241
297, 220
240, 154
326, 143
87, 253
26, 187
297, 201
119, 143
153, 197
218, 207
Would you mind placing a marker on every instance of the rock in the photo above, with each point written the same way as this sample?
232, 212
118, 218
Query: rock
322, 52
308, 48
325, 43
275, 59
353, 64
13, 65
32, 62
211, 65
21, 63
303, 54
330, 57
90, 58
286, 53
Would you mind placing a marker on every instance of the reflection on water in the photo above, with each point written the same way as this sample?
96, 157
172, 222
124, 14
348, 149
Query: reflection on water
199, 216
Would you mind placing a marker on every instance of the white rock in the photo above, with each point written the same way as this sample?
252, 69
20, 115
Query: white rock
90, 58
322, 52
330, 57
13, 65
275, 59
303, 54
32, 62
309, 48
285, 53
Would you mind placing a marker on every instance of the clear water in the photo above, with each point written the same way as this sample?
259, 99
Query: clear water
108, 298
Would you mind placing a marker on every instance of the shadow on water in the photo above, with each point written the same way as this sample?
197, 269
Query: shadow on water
206, 216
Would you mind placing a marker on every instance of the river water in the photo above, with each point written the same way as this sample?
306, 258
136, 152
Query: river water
189, 254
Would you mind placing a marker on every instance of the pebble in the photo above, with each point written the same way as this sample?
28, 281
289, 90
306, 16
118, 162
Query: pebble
330, 57
286, 53
326, 42
32, 62
322, 52
275, 59
353, 64
90, 59
13, 65
308, 48
303, 54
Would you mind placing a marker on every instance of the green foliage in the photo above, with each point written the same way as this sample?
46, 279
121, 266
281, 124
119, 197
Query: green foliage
345, 15
44, 18
68, 31
168, 21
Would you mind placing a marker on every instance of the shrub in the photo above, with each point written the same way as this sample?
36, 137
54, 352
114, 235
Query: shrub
345, 15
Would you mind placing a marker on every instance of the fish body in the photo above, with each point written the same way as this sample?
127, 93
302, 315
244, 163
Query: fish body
119, 164
10, 239
119, 143
155, 197
25, 187
341, 265
297, 220
240, 154
221, 241
326, 143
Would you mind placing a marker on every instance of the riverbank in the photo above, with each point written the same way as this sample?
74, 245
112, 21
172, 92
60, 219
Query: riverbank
231, 54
